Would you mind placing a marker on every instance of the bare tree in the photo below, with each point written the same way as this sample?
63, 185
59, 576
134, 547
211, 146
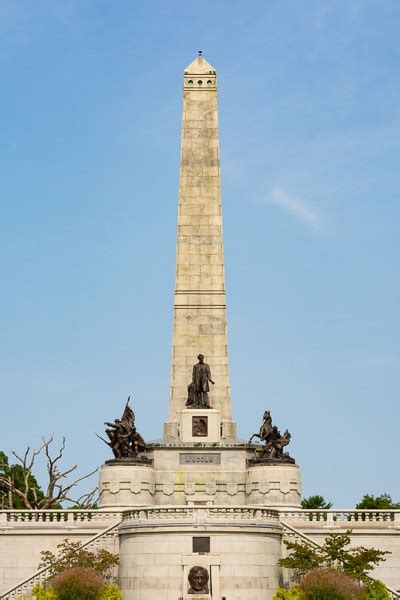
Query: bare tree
57, 491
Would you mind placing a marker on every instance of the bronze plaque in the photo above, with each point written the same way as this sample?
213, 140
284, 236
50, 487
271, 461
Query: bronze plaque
199, 426
201, 544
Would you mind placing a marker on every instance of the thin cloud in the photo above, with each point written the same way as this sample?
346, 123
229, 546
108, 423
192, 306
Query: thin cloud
296, 207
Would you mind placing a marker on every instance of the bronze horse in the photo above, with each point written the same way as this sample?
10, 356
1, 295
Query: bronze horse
265, 429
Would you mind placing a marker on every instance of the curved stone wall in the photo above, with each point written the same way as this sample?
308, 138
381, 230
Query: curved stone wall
123, 486
157, 551
276, 486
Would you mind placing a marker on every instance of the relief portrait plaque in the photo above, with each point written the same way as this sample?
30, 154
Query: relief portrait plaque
199, 426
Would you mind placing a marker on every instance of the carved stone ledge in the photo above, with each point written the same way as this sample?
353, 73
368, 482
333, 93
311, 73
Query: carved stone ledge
124, 462
254, 462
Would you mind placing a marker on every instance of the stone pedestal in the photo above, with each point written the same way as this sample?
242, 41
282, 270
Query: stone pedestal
122, 486
200, 425
275, 485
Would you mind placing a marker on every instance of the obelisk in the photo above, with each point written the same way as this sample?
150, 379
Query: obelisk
200, 325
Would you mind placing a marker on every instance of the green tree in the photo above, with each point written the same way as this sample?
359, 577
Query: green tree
70, 555
315, 502
376, 590
382, 502
17, 487
356, 562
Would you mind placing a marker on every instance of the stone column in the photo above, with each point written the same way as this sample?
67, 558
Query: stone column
200, 299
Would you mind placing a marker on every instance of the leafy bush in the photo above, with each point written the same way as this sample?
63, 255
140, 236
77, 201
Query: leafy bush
334, 554
294, 593
329, 584
77, 583
70, 554
43, 593
111, 592
376, 590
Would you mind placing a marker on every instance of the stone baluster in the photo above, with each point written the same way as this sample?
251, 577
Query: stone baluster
330, 522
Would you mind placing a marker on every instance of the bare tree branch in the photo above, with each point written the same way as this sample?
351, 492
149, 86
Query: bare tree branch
56, 491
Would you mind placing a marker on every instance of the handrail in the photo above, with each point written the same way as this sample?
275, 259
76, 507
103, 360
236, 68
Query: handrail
39, 576
312, 542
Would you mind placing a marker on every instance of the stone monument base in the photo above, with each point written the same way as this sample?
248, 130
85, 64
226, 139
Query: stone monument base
239, 549
124, 483
273, 484
199, 473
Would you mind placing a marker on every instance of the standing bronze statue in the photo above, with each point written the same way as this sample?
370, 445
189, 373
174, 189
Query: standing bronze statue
199, 388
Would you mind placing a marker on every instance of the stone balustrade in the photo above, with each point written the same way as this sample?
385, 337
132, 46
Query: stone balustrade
10, 518
244, 515
306, 517
347, 519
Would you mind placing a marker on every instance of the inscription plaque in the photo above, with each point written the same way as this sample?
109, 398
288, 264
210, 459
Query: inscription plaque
201, 544
199, 426
199, 458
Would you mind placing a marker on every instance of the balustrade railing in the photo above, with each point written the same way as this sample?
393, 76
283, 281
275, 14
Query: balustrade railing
67, 517
342, 518
250, 514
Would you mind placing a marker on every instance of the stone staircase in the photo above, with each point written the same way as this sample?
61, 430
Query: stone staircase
292, 533
97, 542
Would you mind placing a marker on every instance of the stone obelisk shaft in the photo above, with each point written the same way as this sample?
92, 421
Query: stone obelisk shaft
200, 300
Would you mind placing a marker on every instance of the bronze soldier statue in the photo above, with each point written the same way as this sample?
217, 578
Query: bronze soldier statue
125, 441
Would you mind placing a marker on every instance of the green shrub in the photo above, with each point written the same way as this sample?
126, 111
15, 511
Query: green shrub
330, 584
77, 583
376, 590
293, 594
111, 592
42, 593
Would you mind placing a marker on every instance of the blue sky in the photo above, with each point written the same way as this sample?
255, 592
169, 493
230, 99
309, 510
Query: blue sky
89, 148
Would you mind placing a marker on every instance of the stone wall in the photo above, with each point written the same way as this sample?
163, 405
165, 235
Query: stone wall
25, 534
244, 540
157, 552
374, 529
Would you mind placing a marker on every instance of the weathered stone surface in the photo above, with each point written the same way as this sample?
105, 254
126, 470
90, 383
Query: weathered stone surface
200, 297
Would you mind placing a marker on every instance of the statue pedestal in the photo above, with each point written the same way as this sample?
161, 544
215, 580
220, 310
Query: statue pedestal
124, 484
200, 425
276, 485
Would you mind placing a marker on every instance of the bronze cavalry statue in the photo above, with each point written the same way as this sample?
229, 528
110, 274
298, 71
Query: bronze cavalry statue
274, 441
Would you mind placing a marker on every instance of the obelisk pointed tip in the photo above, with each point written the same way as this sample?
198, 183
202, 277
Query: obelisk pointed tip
200, 66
